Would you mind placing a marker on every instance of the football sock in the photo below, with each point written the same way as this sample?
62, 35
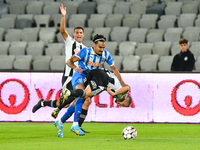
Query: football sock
68, 114
78, 93
82, 117
78, 108
75, 124
60, 122
50, 103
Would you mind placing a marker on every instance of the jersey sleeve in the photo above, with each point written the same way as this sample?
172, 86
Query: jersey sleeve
82, 53
110, 60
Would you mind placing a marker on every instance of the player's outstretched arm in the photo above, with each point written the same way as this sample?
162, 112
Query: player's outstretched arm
62, 23
122, 90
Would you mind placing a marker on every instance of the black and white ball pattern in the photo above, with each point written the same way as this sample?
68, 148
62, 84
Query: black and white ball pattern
129, 133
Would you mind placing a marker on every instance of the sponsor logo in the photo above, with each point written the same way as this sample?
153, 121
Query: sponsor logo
186, 110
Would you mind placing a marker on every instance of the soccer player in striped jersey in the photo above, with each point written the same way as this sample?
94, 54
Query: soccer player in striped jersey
88, 59
72, 46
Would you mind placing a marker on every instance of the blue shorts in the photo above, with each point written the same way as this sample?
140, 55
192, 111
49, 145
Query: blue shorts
77, 78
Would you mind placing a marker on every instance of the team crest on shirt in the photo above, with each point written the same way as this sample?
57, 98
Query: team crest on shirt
186, 58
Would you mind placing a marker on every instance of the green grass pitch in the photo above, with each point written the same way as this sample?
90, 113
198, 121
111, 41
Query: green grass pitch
103, 136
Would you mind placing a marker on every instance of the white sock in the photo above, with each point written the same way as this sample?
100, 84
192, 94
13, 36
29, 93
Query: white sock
75, 124
60, 122
42, 103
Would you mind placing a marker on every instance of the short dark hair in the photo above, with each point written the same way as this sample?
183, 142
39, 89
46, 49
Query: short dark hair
78, 28
183, 41
129, 99
99, 37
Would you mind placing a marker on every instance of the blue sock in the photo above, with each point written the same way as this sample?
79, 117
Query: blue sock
78, 108
68, 113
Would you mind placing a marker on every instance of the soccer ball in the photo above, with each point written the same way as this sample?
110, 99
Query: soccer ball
129, 133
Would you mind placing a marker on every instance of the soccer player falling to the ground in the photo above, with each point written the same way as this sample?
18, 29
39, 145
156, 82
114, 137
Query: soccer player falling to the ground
96, 81
88, 59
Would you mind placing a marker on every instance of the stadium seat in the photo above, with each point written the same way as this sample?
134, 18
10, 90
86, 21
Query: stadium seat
197, 65
195, 50
127, 48
95, 23
7, 23
12, 16
118, 61
22, 62
122, 31
71, 6
138, 35
164, 65
42, 20
41, 63
153, 37
166, 23
113, 20
47, 35
172, 36
26, 16
17, 48
88, 33
104, 9
175, 50
138, 7
112, 46
130, 22
149, 62
173, 10
35, 48
56, 20
148, 21
191, 35
13, 35
57, 63
4, 47
34, 7
6, 61
131, 63
104, 31
18, 7
161, 50
76, 22
140, 51
52, 51
23, 23
51, 9
121, 9
189, 8
30, 34
87, 7
186, 20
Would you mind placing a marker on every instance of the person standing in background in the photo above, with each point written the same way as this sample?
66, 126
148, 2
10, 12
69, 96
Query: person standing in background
183, 61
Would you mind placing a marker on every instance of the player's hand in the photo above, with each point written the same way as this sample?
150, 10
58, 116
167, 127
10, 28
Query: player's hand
79, 70
109, 90
63, 10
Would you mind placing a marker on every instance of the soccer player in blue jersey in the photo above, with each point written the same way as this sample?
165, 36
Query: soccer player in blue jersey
88, 59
